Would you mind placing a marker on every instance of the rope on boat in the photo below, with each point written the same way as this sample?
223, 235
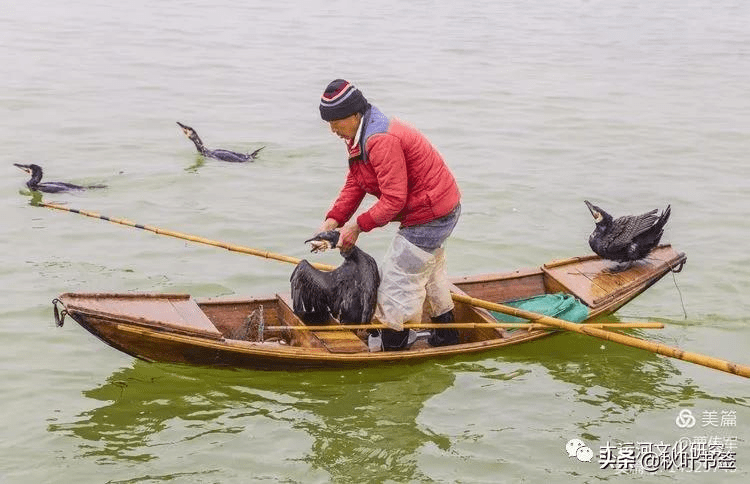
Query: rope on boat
252, 328
676, 270
59, 315
679, 268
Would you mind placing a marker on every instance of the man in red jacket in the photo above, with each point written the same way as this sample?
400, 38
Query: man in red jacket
398, 165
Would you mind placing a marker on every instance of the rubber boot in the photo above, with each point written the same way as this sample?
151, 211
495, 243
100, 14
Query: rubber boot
395, 340
444, 337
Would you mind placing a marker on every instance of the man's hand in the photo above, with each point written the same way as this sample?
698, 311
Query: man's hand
329, 224
348, 236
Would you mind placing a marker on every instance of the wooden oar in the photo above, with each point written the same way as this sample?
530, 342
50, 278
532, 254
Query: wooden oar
350, 327
626, 340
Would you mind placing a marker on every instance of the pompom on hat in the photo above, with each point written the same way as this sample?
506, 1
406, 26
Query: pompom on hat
340, 100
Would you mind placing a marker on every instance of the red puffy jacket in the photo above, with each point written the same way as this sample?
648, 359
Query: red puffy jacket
402, 169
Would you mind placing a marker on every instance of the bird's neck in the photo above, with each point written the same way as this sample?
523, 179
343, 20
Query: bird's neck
36, 177
351, 253
198, 143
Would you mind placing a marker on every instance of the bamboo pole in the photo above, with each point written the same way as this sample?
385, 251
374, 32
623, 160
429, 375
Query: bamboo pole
615, 337
626, 340
350, 327
191, 238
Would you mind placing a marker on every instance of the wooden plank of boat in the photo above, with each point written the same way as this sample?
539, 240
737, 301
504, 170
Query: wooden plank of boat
173, 312
590, 281
177, 328
333, 341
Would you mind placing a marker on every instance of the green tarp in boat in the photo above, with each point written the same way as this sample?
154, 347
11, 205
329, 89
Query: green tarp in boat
558, 305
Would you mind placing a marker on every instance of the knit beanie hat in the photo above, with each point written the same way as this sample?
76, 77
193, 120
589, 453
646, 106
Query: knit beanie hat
340, 100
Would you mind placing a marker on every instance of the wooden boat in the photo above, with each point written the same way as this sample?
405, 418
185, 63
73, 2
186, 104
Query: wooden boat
177, 328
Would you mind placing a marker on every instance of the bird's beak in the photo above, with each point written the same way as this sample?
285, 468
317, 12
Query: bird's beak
593, 211
324, 240
319, 246
23, 167
185, 129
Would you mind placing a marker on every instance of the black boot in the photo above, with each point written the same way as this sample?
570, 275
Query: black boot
444, 337
395, 340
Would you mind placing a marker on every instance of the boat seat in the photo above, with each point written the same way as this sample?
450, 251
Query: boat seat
335, 341
341, 341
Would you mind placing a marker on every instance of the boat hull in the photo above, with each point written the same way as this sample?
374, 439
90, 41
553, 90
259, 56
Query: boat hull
178, 329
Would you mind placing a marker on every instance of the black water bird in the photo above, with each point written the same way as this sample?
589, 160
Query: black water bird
348, 293
628, 238
224, 155
35, 183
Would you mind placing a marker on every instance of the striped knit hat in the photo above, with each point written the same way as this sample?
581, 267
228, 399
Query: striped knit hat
340, 100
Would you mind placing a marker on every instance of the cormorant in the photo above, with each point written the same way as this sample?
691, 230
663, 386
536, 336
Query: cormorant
628, 238
224, 155
49, 187
348, 293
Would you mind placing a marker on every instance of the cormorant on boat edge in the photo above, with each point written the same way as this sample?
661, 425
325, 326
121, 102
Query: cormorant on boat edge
626, 239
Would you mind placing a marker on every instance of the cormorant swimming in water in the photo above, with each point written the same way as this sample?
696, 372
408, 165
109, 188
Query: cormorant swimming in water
348, 293
224, 155
628, 238
49, 187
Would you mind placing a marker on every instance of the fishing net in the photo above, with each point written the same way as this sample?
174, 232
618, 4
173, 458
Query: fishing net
558, 305
251, 328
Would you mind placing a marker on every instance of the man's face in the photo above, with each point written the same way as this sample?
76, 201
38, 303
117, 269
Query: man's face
346, 128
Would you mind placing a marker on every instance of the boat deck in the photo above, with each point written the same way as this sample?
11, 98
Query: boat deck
591, 280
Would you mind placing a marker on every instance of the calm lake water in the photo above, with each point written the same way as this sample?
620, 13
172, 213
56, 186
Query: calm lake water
535, 105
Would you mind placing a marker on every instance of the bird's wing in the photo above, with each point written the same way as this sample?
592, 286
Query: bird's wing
624, 229
70, 186
226, 155
56, 187
357, 282
370, 290
311, 290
